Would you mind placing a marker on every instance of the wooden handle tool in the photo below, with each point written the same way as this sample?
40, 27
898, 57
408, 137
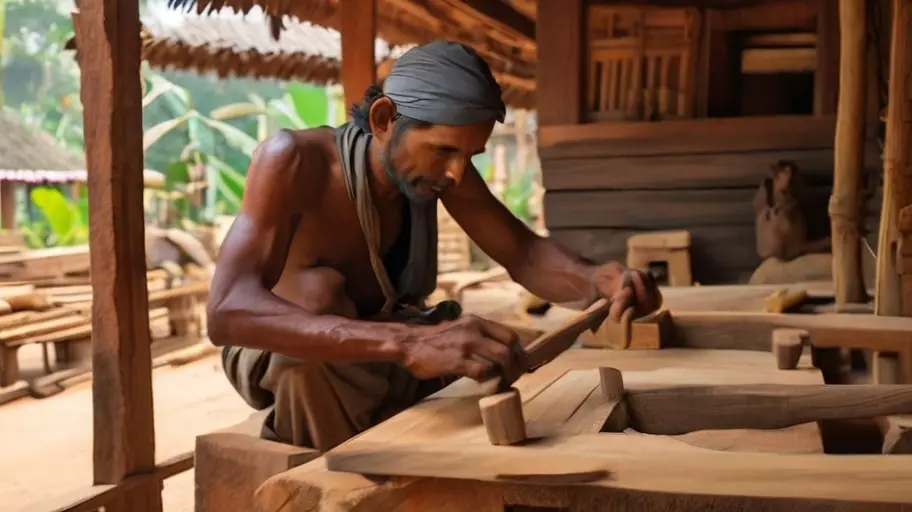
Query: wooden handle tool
551, 344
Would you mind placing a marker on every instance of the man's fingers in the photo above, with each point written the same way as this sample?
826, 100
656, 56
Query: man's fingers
621, 300
494, 351
478, 369
499, 332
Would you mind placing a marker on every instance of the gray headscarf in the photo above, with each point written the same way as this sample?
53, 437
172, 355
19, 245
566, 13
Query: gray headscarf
444, 83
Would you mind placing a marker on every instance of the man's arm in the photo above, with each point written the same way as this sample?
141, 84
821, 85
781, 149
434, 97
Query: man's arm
541, 265
243, 311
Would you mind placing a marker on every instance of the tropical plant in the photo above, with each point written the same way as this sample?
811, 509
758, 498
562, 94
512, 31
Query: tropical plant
64, 222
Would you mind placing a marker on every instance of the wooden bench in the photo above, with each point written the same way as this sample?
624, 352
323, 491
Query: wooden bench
437, 455
233, 462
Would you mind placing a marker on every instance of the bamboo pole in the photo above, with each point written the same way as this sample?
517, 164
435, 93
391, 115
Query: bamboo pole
846, 201
897, 163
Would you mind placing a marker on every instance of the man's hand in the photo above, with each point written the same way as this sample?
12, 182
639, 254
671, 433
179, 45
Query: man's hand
467, 347
627, 287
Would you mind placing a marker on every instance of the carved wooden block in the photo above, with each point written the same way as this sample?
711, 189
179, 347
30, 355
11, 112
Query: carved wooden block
503, 419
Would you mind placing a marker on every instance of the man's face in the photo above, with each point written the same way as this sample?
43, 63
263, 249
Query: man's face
425, 161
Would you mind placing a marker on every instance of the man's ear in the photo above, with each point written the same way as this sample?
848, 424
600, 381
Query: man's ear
380, 116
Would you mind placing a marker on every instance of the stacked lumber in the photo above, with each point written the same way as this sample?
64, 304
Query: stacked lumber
57, 309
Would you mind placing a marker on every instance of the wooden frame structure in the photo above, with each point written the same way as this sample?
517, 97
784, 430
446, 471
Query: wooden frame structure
127, 476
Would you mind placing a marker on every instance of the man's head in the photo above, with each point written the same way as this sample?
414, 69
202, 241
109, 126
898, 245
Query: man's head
435, 110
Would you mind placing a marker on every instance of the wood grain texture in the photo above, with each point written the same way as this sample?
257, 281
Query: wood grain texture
560, 32
107, 32
675, 410
687, 137
358, 27
849, 149
442, 437
676, 172
662, 209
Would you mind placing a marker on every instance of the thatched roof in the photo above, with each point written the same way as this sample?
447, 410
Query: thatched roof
30, 155
232, 44
504, 33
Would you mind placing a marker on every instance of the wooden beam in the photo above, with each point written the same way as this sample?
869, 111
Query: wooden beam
562, 61
8, 205
897, 161
845, 203
826, 78
358, 27
107, 32
90, 499
499, 14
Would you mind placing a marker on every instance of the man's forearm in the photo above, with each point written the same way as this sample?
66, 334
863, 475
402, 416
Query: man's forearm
266, 322
555, 273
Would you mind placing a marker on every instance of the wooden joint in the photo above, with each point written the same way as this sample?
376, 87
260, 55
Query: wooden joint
503, 418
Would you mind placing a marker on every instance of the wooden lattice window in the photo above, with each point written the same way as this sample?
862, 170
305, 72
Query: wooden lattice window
640, 63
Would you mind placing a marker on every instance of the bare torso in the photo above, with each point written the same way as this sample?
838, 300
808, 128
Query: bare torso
324, 230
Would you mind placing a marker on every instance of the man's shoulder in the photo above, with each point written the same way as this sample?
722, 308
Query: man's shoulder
302, 142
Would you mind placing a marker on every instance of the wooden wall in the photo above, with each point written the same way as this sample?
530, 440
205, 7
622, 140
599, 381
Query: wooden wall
607, 181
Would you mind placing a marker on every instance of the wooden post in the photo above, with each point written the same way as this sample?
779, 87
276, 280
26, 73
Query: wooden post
107, 33
358, 26
562, 61
826, 78
846, 201
897, 192
7, 205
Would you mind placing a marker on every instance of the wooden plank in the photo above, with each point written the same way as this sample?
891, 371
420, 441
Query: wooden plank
660, 209
90, 499
107, 33
560, 33
667, 172
778, 60
358, 27
434, 448
753, 331
696, 136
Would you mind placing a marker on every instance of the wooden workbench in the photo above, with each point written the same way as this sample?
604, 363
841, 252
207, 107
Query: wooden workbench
442, 460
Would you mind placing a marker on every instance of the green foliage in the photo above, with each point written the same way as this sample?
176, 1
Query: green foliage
64, 222
309, 103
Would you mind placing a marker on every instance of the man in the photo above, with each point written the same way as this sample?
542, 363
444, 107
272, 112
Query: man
319, 286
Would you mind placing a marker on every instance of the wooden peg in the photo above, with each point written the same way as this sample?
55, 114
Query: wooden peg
787, 347
503, 419
612, 387
612, 383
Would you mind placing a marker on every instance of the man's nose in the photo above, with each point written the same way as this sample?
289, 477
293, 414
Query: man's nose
455, 169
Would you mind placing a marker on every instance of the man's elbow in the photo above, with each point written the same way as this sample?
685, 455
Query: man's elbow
218, 322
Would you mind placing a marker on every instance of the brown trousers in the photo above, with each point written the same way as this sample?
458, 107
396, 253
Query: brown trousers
317, 404
320, 405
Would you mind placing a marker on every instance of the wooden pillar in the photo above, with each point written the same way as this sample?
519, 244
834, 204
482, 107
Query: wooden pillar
7, 205
561, 36
845, 203
107, 33
358, 27
826, 78
897, 192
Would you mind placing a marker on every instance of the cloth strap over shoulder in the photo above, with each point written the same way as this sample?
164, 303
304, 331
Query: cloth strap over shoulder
419, 278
